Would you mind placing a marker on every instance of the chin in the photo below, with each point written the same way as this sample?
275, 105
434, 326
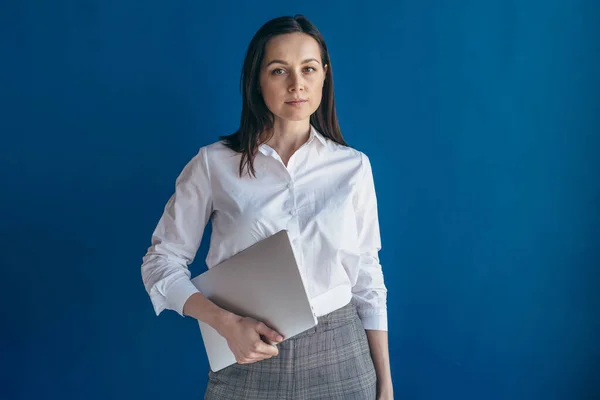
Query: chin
303, 118
295, 117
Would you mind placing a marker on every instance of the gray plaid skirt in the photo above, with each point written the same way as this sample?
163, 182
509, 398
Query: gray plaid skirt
329, 361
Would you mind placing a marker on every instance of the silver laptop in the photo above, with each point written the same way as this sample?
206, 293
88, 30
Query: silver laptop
261, 282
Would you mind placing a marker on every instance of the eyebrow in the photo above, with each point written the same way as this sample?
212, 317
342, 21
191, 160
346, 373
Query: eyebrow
284, 63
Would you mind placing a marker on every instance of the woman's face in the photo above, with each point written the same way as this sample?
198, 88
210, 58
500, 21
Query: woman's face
292, 76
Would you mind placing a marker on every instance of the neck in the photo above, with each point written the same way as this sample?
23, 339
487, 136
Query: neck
288, 136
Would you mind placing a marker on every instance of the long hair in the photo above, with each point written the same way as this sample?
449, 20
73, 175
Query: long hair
256, 117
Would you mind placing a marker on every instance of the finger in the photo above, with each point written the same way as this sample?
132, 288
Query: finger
269, 333
263, 349
252, 357
253, 360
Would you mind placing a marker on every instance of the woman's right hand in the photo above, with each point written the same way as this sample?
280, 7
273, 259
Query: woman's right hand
243, 337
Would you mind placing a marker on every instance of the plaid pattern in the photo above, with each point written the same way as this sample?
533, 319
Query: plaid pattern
329, 361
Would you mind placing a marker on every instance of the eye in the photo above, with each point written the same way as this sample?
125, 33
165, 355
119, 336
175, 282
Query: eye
310, 69
278, 71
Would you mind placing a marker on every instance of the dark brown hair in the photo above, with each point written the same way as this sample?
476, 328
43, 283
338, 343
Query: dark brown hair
256, 117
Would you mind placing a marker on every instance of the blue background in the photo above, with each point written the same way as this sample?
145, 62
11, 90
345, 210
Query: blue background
482, 123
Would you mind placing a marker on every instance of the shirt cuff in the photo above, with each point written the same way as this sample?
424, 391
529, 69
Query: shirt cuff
178, 293
376, 322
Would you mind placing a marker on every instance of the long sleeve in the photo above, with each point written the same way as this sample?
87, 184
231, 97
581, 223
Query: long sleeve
177, 237
369, 292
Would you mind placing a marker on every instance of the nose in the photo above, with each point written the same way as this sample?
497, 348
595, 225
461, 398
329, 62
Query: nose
296, 82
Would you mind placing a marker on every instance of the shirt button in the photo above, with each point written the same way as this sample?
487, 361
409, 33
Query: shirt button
290, 185
293, 212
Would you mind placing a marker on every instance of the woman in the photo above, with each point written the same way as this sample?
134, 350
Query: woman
287, 167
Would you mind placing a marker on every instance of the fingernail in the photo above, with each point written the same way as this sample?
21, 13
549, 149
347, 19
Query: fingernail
280, 338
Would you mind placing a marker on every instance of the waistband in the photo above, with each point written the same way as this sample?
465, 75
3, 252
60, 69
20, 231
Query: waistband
339, 317
345, 313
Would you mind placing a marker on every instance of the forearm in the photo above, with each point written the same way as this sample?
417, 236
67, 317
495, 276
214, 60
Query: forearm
378, 344
201, 308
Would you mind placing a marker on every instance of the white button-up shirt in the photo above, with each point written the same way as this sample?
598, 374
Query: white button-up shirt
325, 198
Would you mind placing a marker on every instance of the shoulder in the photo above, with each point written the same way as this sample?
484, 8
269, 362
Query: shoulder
215, 160
209, 155
348, 153
217, 149
217, 152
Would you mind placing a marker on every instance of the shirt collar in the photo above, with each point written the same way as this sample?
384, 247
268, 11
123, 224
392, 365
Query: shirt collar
314, 133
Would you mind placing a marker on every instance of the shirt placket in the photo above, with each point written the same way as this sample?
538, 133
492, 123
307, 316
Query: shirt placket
290, 205
293, 225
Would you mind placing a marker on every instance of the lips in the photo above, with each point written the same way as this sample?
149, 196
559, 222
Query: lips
298, 101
